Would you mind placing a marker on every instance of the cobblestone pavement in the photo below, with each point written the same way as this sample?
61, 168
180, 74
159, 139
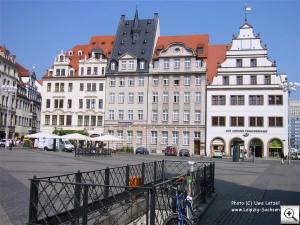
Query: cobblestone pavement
264, 180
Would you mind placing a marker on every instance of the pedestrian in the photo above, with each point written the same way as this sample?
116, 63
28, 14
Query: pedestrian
282, 157
10, 144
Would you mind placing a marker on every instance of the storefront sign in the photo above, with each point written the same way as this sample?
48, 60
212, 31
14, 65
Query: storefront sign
246, 131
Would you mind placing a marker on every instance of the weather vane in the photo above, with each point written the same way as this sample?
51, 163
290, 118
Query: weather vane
247, 9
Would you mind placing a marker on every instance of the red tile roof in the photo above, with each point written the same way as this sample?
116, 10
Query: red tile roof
23, 72
190, 41
216, 55
40, 82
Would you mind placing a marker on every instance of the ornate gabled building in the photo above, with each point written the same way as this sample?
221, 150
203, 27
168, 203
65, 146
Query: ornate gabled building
246, 105
127, 79
74, 88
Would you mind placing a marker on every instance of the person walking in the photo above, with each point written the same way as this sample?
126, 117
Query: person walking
282, 157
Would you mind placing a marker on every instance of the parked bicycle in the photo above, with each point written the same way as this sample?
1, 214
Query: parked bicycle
182, 209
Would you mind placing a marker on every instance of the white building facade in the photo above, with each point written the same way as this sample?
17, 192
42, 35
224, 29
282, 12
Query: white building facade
246, 106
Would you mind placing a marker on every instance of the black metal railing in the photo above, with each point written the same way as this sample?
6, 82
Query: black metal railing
92, 152
111, 196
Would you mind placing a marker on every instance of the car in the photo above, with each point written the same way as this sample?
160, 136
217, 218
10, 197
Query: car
295, 155
68, 147
217, 154
2, 143
184, 152
142, 151
170, 150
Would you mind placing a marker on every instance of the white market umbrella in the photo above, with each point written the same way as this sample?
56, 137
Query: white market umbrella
42, 135
107, 137
76, 136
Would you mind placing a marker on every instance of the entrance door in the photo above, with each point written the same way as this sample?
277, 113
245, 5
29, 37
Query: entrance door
256, 145
197, 146
275, 148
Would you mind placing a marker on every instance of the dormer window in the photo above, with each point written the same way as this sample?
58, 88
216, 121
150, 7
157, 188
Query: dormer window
71, 72
142, 65
200, 50
61, 58
79, 53
123, 65
71, 53
113, 66
131, 65
199, 63
50, 72
177, 49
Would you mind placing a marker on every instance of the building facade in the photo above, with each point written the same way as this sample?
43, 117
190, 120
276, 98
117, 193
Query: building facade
294, 117
74, 88
176, 94
246, 106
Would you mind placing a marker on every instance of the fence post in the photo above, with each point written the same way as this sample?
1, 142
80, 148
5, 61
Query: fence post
152, 206
154, 171
33, 201
204, 184
106, 182
163, 169
143, 174
127, 174
213, 177
85, 204
210, 179
77, 191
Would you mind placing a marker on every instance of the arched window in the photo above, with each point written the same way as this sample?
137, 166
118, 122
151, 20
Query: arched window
113, 66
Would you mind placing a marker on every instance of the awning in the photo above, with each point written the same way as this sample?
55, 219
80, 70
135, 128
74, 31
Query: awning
275, 143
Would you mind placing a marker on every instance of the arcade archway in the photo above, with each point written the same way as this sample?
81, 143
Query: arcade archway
275, 147
238, 144
217, 144
257, 146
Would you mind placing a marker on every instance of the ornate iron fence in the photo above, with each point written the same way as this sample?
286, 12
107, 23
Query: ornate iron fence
92, 152
132, 194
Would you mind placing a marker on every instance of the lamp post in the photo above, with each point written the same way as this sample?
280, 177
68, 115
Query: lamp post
289, 87
10, 90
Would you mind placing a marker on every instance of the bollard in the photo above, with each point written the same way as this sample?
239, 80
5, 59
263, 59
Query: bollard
77, 192
143, 174
106, 182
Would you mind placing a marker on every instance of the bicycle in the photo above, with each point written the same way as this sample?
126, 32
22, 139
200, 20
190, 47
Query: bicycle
182, 205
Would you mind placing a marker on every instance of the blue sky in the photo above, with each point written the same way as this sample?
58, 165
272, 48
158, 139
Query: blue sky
37, 30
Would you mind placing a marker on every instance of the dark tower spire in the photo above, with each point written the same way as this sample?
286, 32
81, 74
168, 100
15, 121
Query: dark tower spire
136, 20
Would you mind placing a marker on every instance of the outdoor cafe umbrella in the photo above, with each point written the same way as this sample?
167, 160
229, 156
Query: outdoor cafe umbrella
76, 136
107, 138
42, 135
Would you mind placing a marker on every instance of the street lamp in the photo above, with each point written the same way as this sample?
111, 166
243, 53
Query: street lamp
289, 87
10, 90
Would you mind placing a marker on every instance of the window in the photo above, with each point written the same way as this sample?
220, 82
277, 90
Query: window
199, 63
129, 137
94, 87
131, 82
141, 81
187, 81
100, 104
121, 98
69, 103
275, 100
176, 97
69, 120
79, 121
237, 121
121, 114
176, 81
61, 103
47, 119
57, 72
165, 116
218, 121
130, 114
166, 64
48, 103
82, 71
99, 121
239, 80
186, 116
198, 97
164, 137
95, 71
186, 138
112, 82
176, 64
71, 72
142, 65
139, 137
197, 135
100, 86
113, 66
93, 103
187, 64
218, 100
86, 120
253, 80
81, 87
122, 82
267, 79
120, 134
153, 137
253, 63
225, 80
80, 103
93, 121
48, 87
197, 115
54, 120
56, 87
140, 97
111, 114
111, 98
88, 71
62, 87
165, 97
70, 87
102, 70
275, 121
166, 82
154, 116
175, 115
256, 121
187, 97
155, 97
61, 120
140, 115
175, 138
55, 103
256, 99
155, 81
237, 99
88, 103
123, 65
89, 87
239, 63
131, 98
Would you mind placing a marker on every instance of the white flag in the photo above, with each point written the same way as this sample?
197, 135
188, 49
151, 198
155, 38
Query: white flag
248, 8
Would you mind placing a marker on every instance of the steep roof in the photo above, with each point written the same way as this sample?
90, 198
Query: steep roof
40, 82
190, 41
23, 72
216, 55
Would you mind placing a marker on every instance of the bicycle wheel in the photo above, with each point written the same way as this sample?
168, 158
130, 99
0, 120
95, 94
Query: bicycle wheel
175, 220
